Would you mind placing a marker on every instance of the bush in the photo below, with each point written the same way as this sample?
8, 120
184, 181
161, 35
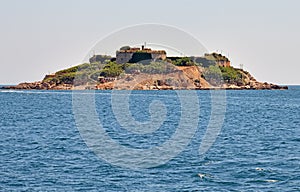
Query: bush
112, 69
67, 78
184, 61
81, 72
86, 67
69, 70
231, 75
213, 75
152, 68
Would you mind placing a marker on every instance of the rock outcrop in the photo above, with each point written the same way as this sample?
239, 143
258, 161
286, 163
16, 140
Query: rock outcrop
40, 85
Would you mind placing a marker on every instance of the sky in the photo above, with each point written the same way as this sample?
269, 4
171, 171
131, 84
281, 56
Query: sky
39, 37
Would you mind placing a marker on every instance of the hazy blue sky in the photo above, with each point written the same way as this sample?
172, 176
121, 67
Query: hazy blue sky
42, 36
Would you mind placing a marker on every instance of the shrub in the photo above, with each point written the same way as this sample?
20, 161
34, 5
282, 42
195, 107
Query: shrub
231, 75
95, 75
213, 75
112, 69
184, 61
152, 68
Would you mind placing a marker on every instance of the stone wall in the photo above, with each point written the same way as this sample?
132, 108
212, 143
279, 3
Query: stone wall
123, 57
159, 56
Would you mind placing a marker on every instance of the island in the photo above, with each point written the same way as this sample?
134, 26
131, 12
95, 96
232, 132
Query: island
135, 68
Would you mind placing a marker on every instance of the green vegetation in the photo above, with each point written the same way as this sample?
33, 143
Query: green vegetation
81, 74
205, 62
209, 59
213, 75
216, 75
231, 75
184, 61
152, 68
111, 70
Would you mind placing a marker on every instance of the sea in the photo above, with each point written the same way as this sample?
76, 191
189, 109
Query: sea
250, 143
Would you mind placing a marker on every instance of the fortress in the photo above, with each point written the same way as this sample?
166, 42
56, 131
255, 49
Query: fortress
133, 55
128, 54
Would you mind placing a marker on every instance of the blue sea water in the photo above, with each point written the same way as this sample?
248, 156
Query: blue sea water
258, 148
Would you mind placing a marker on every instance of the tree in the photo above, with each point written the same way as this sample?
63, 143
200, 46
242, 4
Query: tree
112, 69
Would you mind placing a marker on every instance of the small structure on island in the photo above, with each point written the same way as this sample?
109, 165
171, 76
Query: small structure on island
100, 58
102, 79
220, 59
127, 54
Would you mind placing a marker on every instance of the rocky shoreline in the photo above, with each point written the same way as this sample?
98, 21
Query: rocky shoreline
110, 86
39, 85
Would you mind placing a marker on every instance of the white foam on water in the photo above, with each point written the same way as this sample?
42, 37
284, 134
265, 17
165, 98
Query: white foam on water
201, 175
259, 169
271, 181
11, 91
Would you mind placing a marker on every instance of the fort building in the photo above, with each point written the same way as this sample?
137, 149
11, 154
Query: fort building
219, 59
127, 54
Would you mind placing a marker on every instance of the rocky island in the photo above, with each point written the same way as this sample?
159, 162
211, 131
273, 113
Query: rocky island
146, 69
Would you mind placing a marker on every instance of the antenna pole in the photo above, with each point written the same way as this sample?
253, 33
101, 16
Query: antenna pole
241, 66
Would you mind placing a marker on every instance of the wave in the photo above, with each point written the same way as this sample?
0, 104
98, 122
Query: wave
11, 91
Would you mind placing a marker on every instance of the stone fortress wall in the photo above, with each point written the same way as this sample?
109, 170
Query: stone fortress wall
125, 54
